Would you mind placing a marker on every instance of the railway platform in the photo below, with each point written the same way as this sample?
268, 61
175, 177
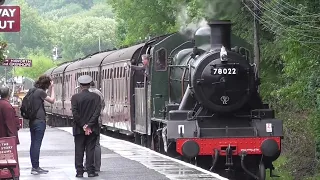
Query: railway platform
121, 160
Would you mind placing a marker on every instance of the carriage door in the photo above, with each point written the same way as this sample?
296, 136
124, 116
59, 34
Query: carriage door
140, 91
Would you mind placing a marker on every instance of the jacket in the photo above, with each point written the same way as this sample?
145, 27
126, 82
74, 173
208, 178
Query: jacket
86, 109
9, 125
103, 104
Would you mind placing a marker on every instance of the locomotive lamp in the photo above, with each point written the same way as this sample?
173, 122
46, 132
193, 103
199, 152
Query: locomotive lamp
223, 54
2, 2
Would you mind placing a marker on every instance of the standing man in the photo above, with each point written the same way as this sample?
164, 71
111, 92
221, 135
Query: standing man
33, 105
97, 152
86, 108
8, 116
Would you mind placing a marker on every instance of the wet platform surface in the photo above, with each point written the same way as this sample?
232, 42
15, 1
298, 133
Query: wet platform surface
121, 160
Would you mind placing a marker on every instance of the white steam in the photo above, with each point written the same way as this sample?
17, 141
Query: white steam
209, 9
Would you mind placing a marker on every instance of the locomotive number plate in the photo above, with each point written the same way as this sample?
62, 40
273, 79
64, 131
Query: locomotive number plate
230, 71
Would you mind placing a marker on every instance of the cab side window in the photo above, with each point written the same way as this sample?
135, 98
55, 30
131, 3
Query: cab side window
161, 60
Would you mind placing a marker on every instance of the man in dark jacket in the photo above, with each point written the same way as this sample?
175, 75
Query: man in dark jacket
145, 62
8, 117
86, 108
97, 153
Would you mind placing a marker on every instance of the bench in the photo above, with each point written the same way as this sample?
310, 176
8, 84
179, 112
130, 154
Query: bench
9, 164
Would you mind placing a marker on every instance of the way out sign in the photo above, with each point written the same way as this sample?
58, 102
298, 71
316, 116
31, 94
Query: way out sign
10, 18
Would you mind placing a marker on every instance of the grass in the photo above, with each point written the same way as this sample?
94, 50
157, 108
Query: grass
285, 175
278, 164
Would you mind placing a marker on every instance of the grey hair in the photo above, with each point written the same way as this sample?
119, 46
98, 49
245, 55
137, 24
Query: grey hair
4, 92
143, 56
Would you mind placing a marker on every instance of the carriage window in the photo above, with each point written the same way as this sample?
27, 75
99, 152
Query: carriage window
161, 60
106, 73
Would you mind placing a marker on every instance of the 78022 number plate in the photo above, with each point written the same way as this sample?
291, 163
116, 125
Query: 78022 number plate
227, 71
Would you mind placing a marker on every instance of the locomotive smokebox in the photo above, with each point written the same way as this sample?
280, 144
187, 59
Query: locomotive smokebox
220, 34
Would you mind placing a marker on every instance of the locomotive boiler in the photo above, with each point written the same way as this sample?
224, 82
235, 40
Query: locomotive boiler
197, 100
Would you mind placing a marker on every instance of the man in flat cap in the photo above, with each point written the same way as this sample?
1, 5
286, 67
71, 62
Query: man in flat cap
86, 108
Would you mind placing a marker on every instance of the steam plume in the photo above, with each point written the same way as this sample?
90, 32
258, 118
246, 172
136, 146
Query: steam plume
205, 10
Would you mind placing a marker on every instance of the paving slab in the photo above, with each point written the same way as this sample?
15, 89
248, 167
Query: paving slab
57, 156
121, 160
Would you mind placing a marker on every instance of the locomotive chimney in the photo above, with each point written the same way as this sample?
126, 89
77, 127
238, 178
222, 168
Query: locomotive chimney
220, 34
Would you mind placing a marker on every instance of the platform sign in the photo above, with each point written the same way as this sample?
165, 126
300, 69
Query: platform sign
17, 62
8, 150
10, 20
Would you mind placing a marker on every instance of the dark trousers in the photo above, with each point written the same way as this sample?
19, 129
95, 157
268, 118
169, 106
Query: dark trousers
37, 129
97, 155
85, 143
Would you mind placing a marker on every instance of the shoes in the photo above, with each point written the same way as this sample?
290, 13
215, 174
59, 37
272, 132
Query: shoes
93, 174
79, 174
39, 170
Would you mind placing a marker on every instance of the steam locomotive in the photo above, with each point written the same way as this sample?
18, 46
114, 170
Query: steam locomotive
197, 100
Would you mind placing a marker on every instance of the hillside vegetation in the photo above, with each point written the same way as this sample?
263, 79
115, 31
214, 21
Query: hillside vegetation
289, 40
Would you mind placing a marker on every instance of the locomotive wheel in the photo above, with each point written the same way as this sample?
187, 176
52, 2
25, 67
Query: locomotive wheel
262, 171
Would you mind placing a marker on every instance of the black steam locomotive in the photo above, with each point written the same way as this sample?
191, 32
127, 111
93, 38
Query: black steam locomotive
197, 100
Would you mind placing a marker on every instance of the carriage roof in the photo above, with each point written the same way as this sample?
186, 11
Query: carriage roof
61, 68
122, 54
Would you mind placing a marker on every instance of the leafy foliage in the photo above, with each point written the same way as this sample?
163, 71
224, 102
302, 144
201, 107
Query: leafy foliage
289, 38
82, 35
144, 18
73, 26
3, 46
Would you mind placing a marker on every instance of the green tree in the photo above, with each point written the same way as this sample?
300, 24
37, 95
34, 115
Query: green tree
79, 37
3, 46
35, 34
145, 18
